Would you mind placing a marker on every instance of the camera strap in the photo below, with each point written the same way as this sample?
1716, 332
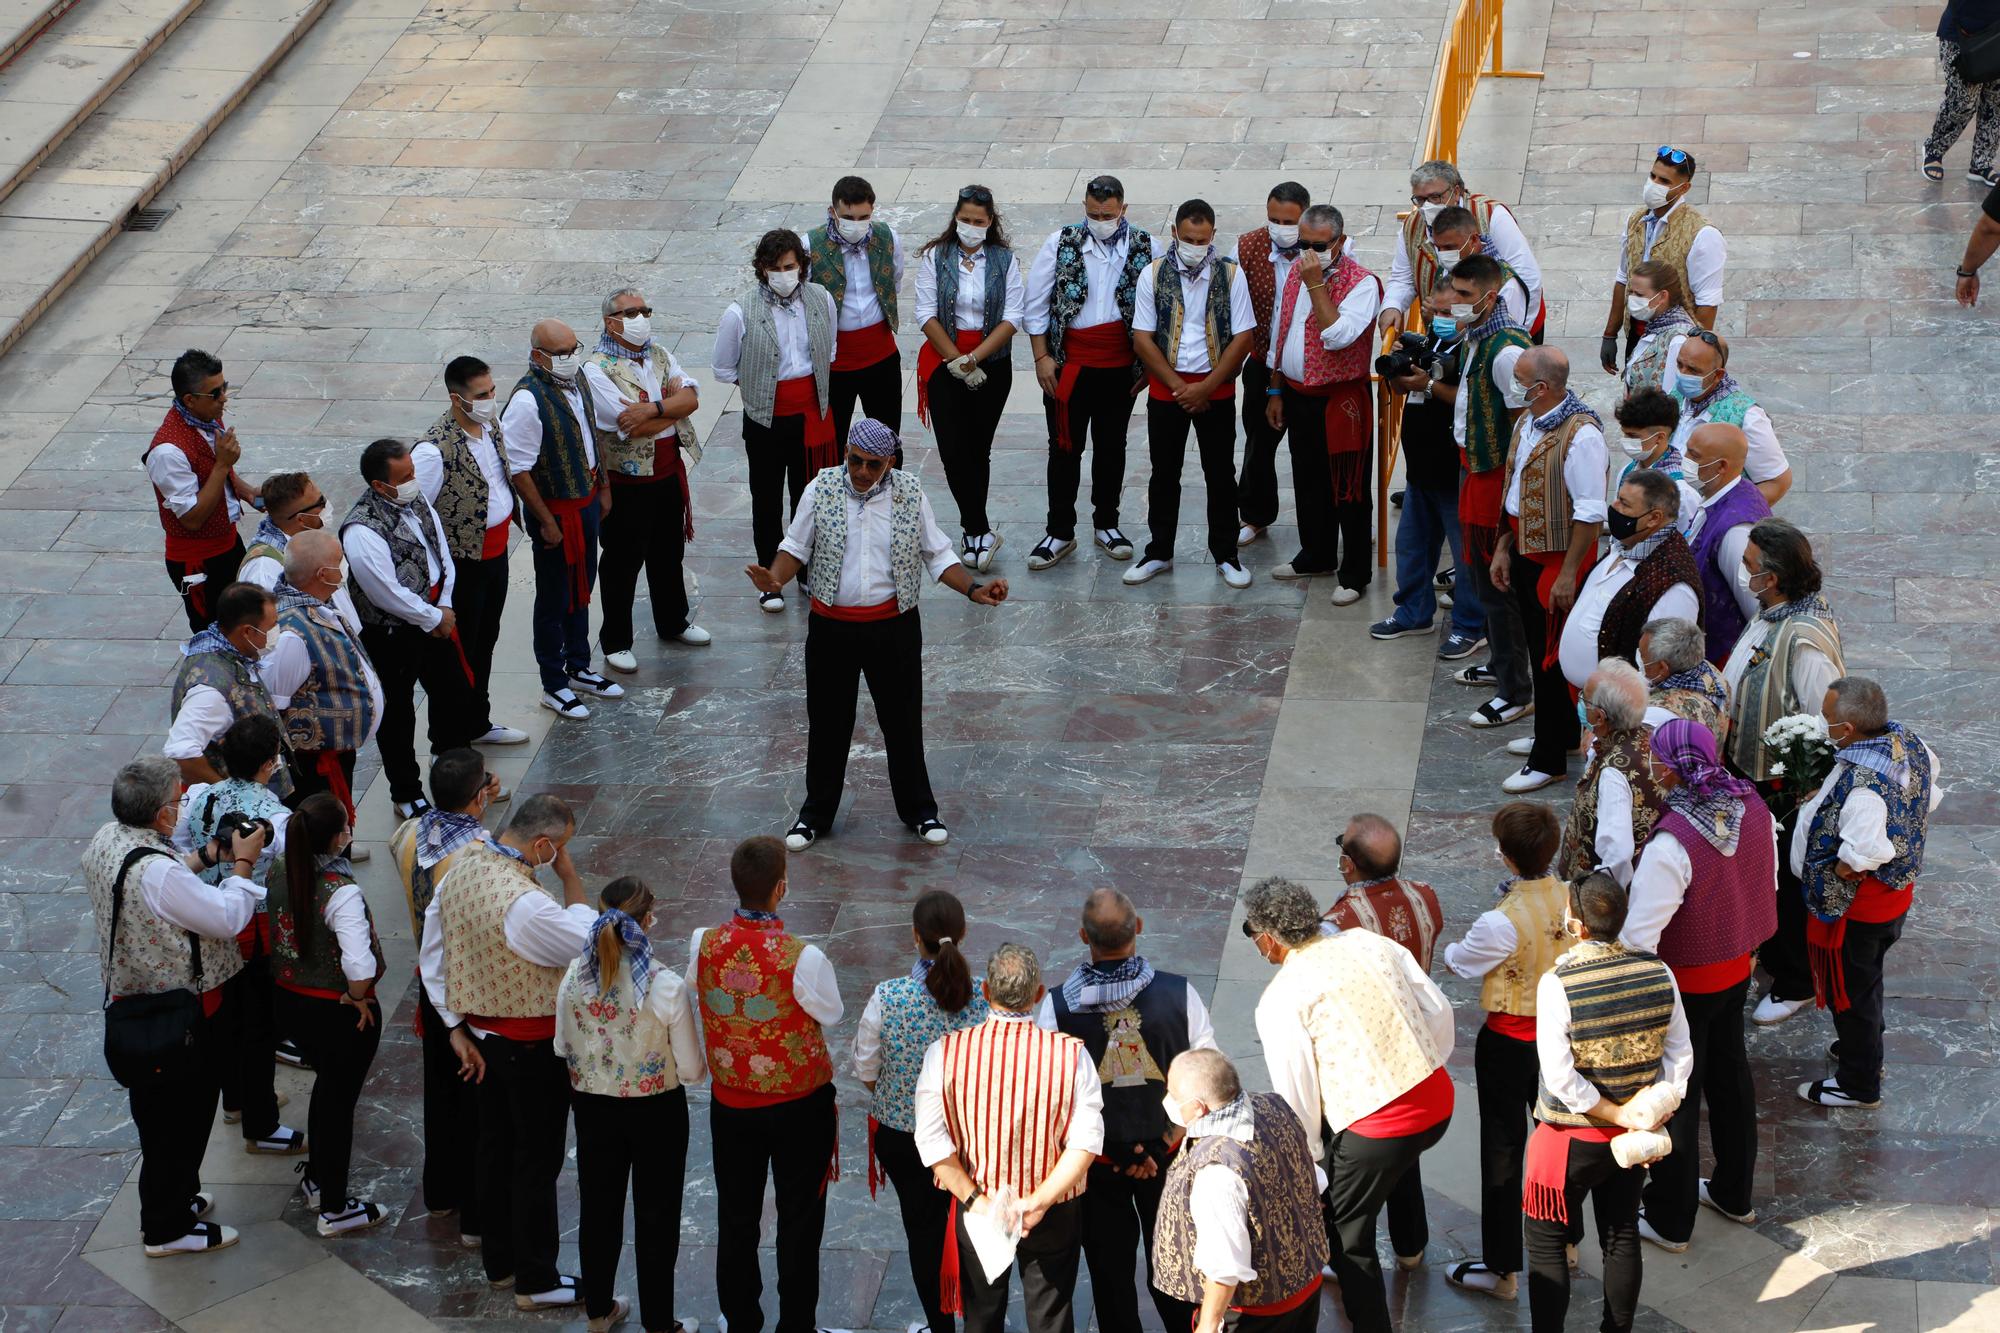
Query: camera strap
132, 858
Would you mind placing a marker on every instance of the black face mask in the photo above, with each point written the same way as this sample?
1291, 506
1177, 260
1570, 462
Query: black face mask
1621, 526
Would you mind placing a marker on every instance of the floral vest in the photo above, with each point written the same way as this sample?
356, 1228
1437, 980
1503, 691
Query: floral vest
1620, 1002
316, 968
419, 882
1675, 240
412, 557
906, 561
332, 709
636, 457
1625, 616
1287, 1237
1545, 502
1909, 821
1371, 1042
235, 678
1731, 905
149, 956
231, 795
1260, 275
614, 1045
1647, 367
1008, 1089
562, 469
1722, 619
762, 1047
1706, 703
483, 976
1422, 250
462, 498
911, 1023
1342, 365
216, 534
1167, 301
1072, 282
1534, 908
829, 266
1404, 910
944, 263
1626, 752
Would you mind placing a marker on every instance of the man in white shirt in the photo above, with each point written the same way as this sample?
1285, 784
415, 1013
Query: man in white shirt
1730, 507
1265, 256
1666, 227
191, 463
319, 676
1436, 189
860, 263
220, 678
293, 503
1647, 573
1708, 393
1456, 234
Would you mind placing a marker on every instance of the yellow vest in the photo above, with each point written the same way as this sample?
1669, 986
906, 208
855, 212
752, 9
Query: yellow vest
1676, 239
1370, 1041
1534, 908
482, 974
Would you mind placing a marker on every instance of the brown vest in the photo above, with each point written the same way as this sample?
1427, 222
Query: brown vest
1626, 752
1545, 504
1676, 239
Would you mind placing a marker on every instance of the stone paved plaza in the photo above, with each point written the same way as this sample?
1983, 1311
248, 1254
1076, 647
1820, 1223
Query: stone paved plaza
418, 181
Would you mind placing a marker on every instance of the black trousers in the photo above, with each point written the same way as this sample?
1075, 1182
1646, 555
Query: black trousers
1101, 406
1047, 1259
451, 1126
1784, 954
1118, 1217
1860, 1025
1507, 1073
963, 421
776, 455
890, 654
340, 1054
1614, 1195
173, 1121
1363, 1174
880, 390
308, 780
523, 1128
1409, 1222
404, 658
1167, 429
791, 1145
478, 597
926, 1213
1506, 642
643, 1142
1257, 487
199, 600
643, 530
1721, 1074
1557, 730
1304, 1319
250, 1030
1334, 537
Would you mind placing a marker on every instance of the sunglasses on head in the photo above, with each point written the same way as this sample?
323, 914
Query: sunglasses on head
1707, 336
1668, 153
977, 194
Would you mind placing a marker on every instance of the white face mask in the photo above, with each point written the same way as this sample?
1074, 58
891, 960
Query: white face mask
270, 643
1431, 211
481, 410
1448, 258
1176, 1113
1284, 235
1461, 312
969, 235
1191, 255
853, 230
565, 367
638, 330
338, 573
1639, 307
1653, 194
783, 282
1634, 449
406, 493
1103, 228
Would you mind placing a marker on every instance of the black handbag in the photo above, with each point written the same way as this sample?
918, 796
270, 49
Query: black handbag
1979, 55
149, 1040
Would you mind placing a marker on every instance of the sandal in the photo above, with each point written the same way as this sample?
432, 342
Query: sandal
1500, 1286
1933, 168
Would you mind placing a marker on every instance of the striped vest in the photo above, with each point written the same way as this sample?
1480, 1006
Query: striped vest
829, 266
757, 371
911, 1024
1545, 502
333, 708
483, 976
1008, 1088
1626, 752
762, 1047
1534, 908
906, 558
1404, 910
1620, 1002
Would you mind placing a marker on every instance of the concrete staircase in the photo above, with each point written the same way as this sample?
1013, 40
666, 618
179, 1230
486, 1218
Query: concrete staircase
101, 102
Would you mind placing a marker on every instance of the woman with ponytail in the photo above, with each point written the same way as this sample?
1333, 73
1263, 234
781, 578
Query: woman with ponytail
626, 1028
326, 959
904, 1016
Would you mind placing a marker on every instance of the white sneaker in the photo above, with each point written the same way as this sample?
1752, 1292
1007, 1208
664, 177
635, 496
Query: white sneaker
499, 735
694, 636
565, 703
934, 832
1233, 574
1521, 746
771, 602
625, 661
1527, 780
1288, 571
201, 1238
801, 836
1741, 1219
1248, 533
989, 545
1771, 1010
1652, 1237
1145, 570
1114, 543
1346, 596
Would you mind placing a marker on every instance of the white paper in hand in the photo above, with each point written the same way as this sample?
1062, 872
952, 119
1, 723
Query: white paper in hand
994, 1227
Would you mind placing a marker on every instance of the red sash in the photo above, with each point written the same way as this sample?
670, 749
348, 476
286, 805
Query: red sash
1479, 497
880, 611
1287, 1305
1224, 392
928, 362
327, 764
568, 515
858, 349
1874, 902
1512, 1026
458, 645
1545, 1170
1350, 425
495, 544
1710, 978
516, 1029
1413, 1112
800, 398
1099, 347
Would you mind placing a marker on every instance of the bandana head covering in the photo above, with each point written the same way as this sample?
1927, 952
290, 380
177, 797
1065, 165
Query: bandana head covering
638, 951
1708, 795
871, 437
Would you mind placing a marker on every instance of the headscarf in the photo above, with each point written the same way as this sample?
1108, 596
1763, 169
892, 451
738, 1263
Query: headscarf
869, 436
638, 952
1708, 795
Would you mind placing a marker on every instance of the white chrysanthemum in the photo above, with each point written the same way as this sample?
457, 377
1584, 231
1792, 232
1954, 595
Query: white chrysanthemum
1777, 770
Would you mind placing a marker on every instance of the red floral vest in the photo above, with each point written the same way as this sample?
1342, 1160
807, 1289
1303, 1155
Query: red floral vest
217, 534
762, 1047
1348, 363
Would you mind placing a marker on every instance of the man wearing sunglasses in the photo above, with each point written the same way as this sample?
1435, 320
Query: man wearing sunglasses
1418, 266
293, 503
1666, 229
192, 465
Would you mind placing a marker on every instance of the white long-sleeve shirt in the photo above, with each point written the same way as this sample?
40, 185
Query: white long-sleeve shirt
969, 310
536, 926
1659, 884
204, 716
1558, 1059
1607, 578
347, 913
1356, 320
1764, 460
814, 986
859, 306
1813, 672
669, 1004
264, 571
607, 400
1613, 843
1219, 1202
1707, 257
429, 463
1502, 375
1586, 468
1192, 355
289, 665
1086, 1108
1490, 942
370, 565
180, 898
1864, 824
866, 576
173, 476
1102, 266
1201, 1028
521, 428
1504, 241
788, 318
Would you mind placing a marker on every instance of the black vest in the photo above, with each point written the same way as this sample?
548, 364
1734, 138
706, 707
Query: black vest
1149, 1032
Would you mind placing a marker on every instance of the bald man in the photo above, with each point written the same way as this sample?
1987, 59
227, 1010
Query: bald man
1730, 507
565, 493
1708, 393
322, 681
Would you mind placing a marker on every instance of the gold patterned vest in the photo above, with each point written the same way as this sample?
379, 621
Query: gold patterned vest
1675, 240
1371, 1043
483, 976
462, 499
152, 956
1620, 1003
1545, 505
1626, 752
1534, 908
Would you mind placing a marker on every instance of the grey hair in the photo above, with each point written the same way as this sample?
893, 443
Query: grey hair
1426, 173
1860, 702
611, 301
1657, 487
1109, 920
1618, 688
1207, 1074
542, 816
142, 788
307, 553
1284, 909
1324, 215
1676, 642
1013, 975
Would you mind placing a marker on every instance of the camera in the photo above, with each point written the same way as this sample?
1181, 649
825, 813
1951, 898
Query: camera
234, 823
1410, 354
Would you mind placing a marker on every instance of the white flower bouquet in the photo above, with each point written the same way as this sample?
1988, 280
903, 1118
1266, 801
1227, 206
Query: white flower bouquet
1801, 755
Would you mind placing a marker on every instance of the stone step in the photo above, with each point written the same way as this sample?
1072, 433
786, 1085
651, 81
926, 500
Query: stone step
22, 20
64, 214
68, 71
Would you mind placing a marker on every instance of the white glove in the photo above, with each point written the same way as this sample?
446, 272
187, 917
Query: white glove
962, 366
1637, 1147
976, 378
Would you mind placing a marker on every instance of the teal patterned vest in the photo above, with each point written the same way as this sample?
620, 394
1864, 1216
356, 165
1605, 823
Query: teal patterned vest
1072, 281
1730, 409
235, 678
252, 798
562, 471
1827, 894
911, 1021
829, 266
332, 709
906, 562
944, 262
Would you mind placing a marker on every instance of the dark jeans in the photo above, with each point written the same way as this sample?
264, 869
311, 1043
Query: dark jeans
562, 632
1101, 406
173, 1120
1721, 1073
1167, 429
926, 1213
451, 1126
776, 455
1118, 1217
1614, 1195
1784, 954
880, 390
523, 1125
1557, 730
340, 1053
1506, 642
1257, 487
1334, 537
791, 1145
199, 601
643, 530
404, 658
642, 1141
1047, 1258
1860, 1025
478, 596
890, 654
963, 421
249, 1076
1363, 1174
1508, 1074
1428, 524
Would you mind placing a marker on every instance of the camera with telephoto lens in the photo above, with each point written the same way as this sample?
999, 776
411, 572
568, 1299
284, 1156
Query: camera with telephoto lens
1411, 353
234, 823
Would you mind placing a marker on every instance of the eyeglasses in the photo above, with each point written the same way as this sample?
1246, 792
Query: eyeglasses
312, 508
217, 392
865, 460
977, 194
644, 310
1668, 153
1421, 199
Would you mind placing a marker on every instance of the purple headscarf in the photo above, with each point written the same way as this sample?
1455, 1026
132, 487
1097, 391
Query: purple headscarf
1708, 795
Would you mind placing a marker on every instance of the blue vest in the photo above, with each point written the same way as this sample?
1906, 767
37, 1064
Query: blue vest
1909, 820
911, 1021
332, 709
944, 262
252, 798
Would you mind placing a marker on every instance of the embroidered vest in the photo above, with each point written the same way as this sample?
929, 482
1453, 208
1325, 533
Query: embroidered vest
1620, 1002
562, 470
760, 1042
1534, 908
1072, 282
216, 534
151, 957
1647, 367
462, 498
265, 549
1260, 275
1908, 824
1370, 1040
235, 678
613, 1044
1730, 410
332, 709
1545, 502
1344, 364
829, 267
236, 795
1008, 1088
906, 560
1626, 751
1167, 305
419, 884
1672, 246
1287, 1237
318, 966
1768, 690
1405, 911
944, 263
410, 555
1422, 250
1486, 411
911, 1022
1731, 905
1722, 619
635, 457
483, 976
1132, 1047
1707, 705
757, 372
1625, 616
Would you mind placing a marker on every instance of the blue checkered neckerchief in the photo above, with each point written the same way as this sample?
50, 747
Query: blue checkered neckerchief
442, 832
1232, 1121
760, 918
505, 850
922, 968
209, 429
1561, 412
610, 346
1098, 988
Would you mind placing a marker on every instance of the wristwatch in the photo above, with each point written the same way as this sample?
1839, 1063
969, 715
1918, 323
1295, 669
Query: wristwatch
973, 589
1963, 274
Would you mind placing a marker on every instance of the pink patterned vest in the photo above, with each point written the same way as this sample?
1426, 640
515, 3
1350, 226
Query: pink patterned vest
1348, 363
1731, 905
